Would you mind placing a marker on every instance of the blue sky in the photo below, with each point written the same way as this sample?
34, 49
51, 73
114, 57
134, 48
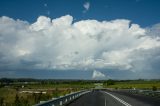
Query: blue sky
80, 39
135, 10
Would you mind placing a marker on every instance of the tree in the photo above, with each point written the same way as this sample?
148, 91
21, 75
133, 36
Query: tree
110, 82
154, 88
37, 97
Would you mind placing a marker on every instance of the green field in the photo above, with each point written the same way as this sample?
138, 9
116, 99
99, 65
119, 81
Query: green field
135, 84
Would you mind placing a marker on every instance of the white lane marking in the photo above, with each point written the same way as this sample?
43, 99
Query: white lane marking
120, 100
105, 101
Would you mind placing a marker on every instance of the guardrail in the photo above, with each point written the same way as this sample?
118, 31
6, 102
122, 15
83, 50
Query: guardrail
146, 92
139, 91
151, 93
63, 100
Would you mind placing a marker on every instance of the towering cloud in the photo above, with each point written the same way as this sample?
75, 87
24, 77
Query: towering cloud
98, 75
84, 45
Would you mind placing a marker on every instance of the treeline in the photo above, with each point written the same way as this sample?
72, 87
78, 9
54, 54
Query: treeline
49, 81
8, 81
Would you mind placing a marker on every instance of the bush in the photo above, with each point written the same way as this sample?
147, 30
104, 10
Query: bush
17, 101
154, 88
110, 82
1, 101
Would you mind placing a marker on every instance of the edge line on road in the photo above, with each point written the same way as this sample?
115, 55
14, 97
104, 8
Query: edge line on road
118, 99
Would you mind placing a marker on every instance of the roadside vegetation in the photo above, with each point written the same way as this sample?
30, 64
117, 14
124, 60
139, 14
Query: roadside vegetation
26, 92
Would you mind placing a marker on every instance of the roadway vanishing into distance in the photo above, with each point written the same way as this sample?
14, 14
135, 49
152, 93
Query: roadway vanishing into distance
114, 98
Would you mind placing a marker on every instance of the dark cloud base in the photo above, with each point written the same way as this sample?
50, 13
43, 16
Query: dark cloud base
77, 74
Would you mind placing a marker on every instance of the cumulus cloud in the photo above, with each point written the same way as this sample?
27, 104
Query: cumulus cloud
83, 45
86, 6
154, 30
98, 75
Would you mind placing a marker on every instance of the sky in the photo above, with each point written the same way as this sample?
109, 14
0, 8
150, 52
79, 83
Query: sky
80, 39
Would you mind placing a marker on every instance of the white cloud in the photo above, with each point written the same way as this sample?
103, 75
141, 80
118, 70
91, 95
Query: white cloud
98, 75
154, 30
45, 5
41, 24
84, 45
86, 5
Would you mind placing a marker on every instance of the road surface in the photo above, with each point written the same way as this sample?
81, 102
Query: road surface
108, 98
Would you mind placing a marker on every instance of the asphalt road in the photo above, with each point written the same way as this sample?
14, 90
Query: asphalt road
108, 98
